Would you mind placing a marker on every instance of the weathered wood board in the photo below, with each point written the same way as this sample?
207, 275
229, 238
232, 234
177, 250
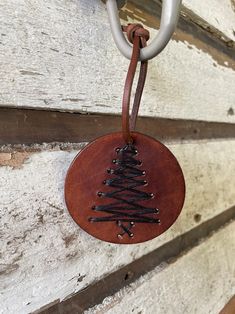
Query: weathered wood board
46, 257
220, 14
21, 127
60, 55
201, 281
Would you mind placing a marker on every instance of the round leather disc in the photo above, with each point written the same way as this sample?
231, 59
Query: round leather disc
90, 170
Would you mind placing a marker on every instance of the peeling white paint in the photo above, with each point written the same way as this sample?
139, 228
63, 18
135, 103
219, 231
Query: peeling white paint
61, 55
44, 253
200, 282
218, 13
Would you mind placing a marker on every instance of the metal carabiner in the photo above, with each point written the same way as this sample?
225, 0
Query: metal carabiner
169, 18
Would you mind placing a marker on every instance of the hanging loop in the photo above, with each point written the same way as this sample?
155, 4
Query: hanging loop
169, 18
138, 36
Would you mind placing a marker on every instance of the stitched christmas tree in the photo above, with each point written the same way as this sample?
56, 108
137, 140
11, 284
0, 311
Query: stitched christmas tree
126, 179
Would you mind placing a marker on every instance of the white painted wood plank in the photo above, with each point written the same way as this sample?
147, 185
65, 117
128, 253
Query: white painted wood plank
45, 256
60, 55
200, 282
218, 13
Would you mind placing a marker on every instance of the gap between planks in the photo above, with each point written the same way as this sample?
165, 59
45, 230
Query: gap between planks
169, 252
29, 126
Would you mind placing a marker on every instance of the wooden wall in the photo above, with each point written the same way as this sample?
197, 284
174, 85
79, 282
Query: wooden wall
61, 81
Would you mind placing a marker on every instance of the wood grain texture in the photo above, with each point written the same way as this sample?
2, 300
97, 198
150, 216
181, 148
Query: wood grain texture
220, 14
191, 29
29, 127
59, 55
47, 257
52, 58
199, 282
167, 253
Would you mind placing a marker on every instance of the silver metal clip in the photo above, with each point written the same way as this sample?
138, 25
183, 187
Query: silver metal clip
169, 18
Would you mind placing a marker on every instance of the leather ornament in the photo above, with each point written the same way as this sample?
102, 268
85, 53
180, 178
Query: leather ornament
126, 187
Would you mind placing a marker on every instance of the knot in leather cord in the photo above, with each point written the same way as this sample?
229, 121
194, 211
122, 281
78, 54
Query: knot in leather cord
138, 36
133, 30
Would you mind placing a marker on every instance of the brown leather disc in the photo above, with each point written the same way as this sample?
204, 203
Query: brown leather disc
90, 171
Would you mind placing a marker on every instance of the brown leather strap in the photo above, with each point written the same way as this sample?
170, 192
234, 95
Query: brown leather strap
137, 35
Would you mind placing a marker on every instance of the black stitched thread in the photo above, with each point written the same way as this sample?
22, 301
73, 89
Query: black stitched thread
126, 182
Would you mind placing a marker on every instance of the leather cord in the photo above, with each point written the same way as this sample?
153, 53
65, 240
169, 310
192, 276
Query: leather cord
138, 36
